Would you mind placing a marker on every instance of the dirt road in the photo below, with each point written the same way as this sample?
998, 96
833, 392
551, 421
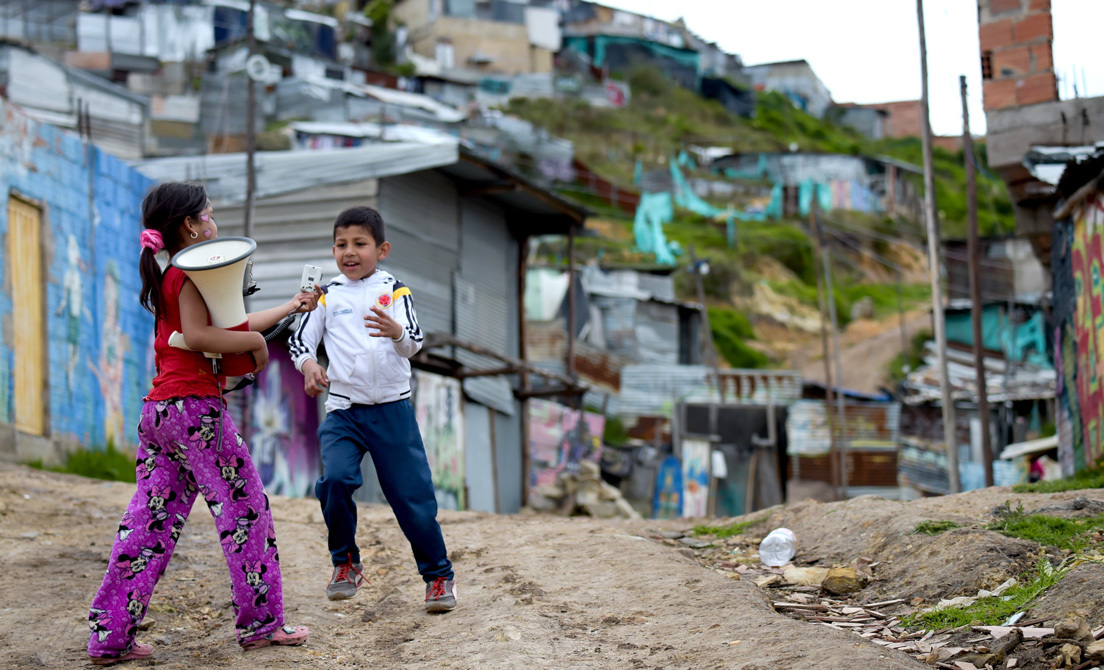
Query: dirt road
866, 349
537, 592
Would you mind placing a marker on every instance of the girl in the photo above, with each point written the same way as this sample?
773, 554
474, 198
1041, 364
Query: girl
178, 457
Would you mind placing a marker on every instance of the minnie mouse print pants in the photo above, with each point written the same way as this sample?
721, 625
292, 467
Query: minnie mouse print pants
178, 459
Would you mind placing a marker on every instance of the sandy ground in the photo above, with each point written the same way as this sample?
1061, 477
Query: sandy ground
542, 592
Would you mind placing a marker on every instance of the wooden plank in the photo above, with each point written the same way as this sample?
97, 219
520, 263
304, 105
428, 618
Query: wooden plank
24, 221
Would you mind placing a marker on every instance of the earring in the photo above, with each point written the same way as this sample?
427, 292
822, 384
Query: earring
194, 234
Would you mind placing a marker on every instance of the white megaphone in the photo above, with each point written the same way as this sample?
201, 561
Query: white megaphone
218, 269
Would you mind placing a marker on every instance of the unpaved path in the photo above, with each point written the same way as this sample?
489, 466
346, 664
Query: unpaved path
866, 348
537, 592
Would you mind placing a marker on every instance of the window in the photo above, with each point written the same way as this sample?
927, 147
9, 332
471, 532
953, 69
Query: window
987, 65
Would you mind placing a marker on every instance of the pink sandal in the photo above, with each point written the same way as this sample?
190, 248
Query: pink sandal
139, 650
285, 635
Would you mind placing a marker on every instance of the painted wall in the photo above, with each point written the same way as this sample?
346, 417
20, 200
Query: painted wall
1077, 262
99, 339
438, 404
557, 441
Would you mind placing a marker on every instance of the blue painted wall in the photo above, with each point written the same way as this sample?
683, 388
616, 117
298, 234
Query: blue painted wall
99, 337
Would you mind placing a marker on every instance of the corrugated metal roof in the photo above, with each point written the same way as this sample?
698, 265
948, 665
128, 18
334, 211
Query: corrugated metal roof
870, 425
654, 390
281, 172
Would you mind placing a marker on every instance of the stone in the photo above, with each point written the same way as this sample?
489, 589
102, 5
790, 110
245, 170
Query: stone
600, 510
608, 493
842, 581
769, 580
1073, 628
589, 470
588, 493
863, 308
1002, 646
1095, 650
1071, 655
549, 491
147, 624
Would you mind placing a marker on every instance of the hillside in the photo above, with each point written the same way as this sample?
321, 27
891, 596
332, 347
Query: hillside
762, 289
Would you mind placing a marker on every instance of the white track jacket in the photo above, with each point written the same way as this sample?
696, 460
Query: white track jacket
363, 370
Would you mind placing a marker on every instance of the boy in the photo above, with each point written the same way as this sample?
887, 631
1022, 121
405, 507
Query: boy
368, 409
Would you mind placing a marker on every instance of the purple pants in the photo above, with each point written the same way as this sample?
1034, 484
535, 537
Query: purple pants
178, 458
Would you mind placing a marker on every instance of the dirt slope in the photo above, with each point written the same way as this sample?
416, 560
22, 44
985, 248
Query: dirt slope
538, 592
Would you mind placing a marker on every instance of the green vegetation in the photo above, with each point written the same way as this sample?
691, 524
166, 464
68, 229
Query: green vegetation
935, 527
730, 331
110, 464
1048, 530
903, 363
722, 532
992, 611
1086, 479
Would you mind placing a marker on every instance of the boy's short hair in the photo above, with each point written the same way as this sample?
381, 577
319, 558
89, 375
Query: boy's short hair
365, 217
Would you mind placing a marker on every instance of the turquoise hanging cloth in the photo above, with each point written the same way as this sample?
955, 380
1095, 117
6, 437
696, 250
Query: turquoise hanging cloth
805, 192
654, 210
638, 173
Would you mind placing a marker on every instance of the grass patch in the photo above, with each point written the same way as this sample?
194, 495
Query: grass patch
110, 464
907, 361
1086, 479
992, 611
731, 329
1048, 530
935, 527
721, 532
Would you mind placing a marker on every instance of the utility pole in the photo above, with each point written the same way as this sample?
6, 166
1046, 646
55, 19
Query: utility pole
974, 248
709, 350
836, 464
949, 435
250, 127
826, 262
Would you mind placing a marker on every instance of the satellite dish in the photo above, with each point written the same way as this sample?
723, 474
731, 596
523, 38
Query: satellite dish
257, 67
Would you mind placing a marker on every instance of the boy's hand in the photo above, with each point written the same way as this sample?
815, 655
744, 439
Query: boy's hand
315, 380
383, 323
307, 302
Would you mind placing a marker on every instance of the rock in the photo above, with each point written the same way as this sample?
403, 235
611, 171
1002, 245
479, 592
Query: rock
589, 470
549, 491
601, 510
671, 534
842, 581
688, 553
508, 633
1095, 650
1071, 655
543, 504
863, 308
804, 576
608, 493
769, 580
588, 493
147, 624
1073, 628
693, 542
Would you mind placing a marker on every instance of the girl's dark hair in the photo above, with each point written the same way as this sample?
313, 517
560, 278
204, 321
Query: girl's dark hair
164, 209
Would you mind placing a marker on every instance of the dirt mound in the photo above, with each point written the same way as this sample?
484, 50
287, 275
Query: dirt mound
1078, 594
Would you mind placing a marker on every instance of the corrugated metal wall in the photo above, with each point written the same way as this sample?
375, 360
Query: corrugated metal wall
293, 230
657, 333
420, 212
482, 306
870, 425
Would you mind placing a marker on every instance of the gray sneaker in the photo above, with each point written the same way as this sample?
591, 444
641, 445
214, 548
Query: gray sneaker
440, 595
346, 579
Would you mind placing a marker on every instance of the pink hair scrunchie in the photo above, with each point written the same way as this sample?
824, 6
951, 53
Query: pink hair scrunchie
151, 239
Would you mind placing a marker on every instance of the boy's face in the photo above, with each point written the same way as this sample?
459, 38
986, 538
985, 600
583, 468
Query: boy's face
356, 252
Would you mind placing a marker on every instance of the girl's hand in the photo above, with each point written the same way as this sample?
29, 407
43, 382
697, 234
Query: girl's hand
260, 354
306, 301
383, 323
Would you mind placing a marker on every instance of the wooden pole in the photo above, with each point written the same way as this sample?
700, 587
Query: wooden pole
571, 299
834, 461
250, 128
974, 248
709, 350
949, 433
842, 446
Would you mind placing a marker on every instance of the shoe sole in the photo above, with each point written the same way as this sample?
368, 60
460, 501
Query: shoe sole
439, 607
340, 596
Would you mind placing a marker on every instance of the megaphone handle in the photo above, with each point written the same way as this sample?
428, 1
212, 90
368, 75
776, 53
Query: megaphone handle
177, 340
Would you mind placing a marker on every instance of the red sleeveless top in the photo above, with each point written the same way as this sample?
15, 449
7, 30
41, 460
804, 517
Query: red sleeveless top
180, 372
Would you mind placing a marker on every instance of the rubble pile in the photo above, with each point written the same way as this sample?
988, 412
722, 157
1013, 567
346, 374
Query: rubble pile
582, 492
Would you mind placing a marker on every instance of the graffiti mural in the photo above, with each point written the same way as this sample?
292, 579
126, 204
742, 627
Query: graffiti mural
559, 440
1078, 264
97, 336
282, 428
437, 404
